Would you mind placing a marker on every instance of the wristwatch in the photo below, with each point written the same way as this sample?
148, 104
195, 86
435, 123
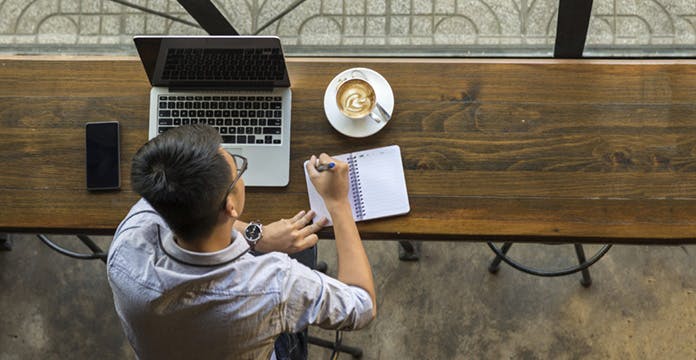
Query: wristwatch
253, 233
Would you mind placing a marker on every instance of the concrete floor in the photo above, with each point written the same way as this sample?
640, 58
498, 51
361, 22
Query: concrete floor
642, 305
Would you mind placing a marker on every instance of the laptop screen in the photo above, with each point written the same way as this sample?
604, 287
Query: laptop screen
213, 61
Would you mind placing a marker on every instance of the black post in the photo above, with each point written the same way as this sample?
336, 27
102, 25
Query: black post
209, 17
571, 29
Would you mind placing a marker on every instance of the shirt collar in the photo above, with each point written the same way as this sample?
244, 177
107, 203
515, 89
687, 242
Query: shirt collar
233, 251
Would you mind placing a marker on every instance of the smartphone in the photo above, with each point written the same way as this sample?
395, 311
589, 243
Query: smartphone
103, 155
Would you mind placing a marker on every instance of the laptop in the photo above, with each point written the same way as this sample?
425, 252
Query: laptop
237, 84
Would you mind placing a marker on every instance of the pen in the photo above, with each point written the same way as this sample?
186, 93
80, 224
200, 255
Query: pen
324, 167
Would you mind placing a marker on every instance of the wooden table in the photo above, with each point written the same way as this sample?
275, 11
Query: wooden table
514, 150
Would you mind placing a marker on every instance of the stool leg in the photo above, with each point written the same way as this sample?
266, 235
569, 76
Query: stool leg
92, 246
5, 242
586, 279
354, 351
495, 264
409, 250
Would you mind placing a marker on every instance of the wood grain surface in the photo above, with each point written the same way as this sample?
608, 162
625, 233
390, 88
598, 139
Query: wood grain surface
527, 150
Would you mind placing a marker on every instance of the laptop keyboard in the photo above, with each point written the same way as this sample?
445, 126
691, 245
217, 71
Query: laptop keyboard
238, 119
224, 65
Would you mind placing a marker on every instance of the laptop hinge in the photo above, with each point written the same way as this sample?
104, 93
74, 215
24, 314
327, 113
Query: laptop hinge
221, 88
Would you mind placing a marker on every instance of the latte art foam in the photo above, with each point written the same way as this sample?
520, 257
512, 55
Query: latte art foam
355, 98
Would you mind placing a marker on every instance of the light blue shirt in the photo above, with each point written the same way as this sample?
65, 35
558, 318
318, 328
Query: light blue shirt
178, 304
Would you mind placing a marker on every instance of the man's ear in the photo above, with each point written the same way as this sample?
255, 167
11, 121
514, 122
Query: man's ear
230, 208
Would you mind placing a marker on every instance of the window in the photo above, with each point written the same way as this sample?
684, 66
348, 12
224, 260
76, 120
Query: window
360, 27
642, 28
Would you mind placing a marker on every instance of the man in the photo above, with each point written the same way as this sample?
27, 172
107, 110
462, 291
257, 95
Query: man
184, 282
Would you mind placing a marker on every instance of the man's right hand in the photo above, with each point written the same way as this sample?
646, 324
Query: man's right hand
331, 184
353, 264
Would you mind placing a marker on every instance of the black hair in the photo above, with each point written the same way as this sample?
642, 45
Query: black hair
183, 175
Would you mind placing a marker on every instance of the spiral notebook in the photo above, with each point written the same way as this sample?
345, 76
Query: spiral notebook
377, 185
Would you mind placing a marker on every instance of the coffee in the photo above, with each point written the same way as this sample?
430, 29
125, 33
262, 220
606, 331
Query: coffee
355, 98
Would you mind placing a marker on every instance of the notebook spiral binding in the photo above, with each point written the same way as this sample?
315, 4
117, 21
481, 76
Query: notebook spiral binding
356, 188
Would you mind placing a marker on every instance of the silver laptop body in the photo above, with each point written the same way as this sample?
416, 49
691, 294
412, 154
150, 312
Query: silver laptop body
237, 84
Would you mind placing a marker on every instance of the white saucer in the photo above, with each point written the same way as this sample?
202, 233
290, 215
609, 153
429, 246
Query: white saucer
361, 127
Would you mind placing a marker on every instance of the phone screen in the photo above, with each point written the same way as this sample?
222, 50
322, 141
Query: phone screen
102, 146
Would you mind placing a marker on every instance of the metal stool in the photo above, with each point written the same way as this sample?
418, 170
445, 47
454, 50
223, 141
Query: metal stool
96, 254
583, 266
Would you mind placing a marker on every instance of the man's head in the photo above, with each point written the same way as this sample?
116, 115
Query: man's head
185, 175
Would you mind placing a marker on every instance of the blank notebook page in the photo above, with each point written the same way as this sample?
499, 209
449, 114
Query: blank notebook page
377, 185
380, 174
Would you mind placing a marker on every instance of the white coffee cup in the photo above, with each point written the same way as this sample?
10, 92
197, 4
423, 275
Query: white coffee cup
356, 98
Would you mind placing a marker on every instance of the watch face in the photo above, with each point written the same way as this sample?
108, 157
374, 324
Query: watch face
252, 232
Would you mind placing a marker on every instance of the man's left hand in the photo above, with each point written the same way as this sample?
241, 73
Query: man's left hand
291, 235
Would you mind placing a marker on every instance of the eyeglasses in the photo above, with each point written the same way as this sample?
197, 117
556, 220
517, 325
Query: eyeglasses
241, 163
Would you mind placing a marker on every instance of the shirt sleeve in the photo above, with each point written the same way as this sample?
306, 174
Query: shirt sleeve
309, 297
